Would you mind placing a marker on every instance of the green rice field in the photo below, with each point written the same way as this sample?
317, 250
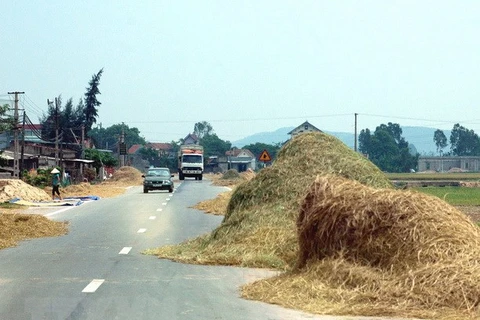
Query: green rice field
466, 176
456, 196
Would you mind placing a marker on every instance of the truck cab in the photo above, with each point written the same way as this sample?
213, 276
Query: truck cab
190, 162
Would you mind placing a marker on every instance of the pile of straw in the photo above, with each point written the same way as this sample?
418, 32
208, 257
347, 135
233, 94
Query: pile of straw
299, 161
383, 228
17, 227
126, 175
418, 247
259, 229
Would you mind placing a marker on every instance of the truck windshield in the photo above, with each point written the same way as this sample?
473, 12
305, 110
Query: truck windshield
191, 158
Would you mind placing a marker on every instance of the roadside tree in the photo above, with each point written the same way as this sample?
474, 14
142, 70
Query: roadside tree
91, 101
464, 142
440, 140
108, 138
202, 129
100, 158
214, 146
387, 149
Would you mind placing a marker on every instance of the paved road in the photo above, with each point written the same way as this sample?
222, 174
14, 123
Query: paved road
97, 271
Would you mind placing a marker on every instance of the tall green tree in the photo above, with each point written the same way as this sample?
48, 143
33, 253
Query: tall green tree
440, 140
464, 142
7, 122
67, 119
202, 129
100, 158
387, 149
91, 101
108, 138
214, 146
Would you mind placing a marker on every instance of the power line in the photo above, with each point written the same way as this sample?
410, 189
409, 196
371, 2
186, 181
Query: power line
244, 119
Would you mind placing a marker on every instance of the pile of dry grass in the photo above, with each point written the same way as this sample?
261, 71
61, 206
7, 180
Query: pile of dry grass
127, 176
17, 227
231, 174
259, 228
16, 188
232, 178
382, 227
298, 163
217, 206
367, 251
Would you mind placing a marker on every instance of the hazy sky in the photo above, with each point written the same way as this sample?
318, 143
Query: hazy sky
248, 66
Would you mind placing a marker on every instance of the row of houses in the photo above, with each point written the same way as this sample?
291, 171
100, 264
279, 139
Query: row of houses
33, 153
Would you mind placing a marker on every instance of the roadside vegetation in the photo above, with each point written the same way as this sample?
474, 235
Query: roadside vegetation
375, 230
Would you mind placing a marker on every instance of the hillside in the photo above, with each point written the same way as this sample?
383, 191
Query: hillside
420, 137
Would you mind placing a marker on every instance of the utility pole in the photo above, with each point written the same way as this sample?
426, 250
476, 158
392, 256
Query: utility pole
83, 151
22, 152
56, 132
15, 135
122, 147
355, 143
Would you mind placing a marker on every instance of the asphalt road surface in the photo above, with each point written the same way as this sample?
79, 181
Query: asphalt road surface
97, 270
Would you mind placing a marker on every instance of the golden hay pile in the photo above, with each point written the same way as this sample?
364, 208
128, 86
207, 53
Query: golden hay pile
231, 178
366, 251
127, 176
259, 227
16, 188
123, 177
217, 206
382, 227
17, 227
298, 163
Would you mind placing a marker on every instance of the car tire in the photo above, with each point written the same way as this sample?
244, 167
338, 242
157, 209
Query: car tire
170, 190
145, 190
200, 177
180, 176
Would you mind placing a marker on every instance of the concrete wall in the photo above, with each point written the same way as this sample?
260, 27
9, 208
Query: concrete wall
443, 164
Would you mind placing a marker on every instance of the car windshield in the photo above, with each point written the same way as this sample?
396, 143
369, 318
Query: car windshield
158, 172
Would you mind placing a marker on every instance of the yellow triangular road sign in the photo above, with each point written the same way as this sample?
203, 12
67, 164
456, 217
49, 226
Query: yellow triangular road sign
265, 156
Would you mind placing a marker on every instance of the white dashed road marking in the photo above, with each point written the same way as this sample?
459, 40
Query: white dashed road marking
141, 230
125, 250
93, 286
164, 204
152, 218
159, 209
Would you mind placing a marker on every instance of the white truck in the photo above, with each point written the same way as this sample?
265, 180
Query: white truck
190, 161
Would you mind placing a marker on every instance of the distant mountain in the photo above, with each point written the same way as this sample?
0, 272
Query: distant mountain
420, 137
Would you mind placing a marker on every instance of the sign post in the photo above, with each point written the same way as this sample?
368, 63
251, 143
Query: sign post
265, 157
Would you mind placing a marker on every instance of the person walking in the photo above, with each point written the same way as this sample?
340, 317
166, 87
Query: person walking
56, 183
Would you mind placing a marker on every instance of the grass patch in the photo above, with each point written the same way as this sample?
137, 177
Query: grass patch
456, 196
